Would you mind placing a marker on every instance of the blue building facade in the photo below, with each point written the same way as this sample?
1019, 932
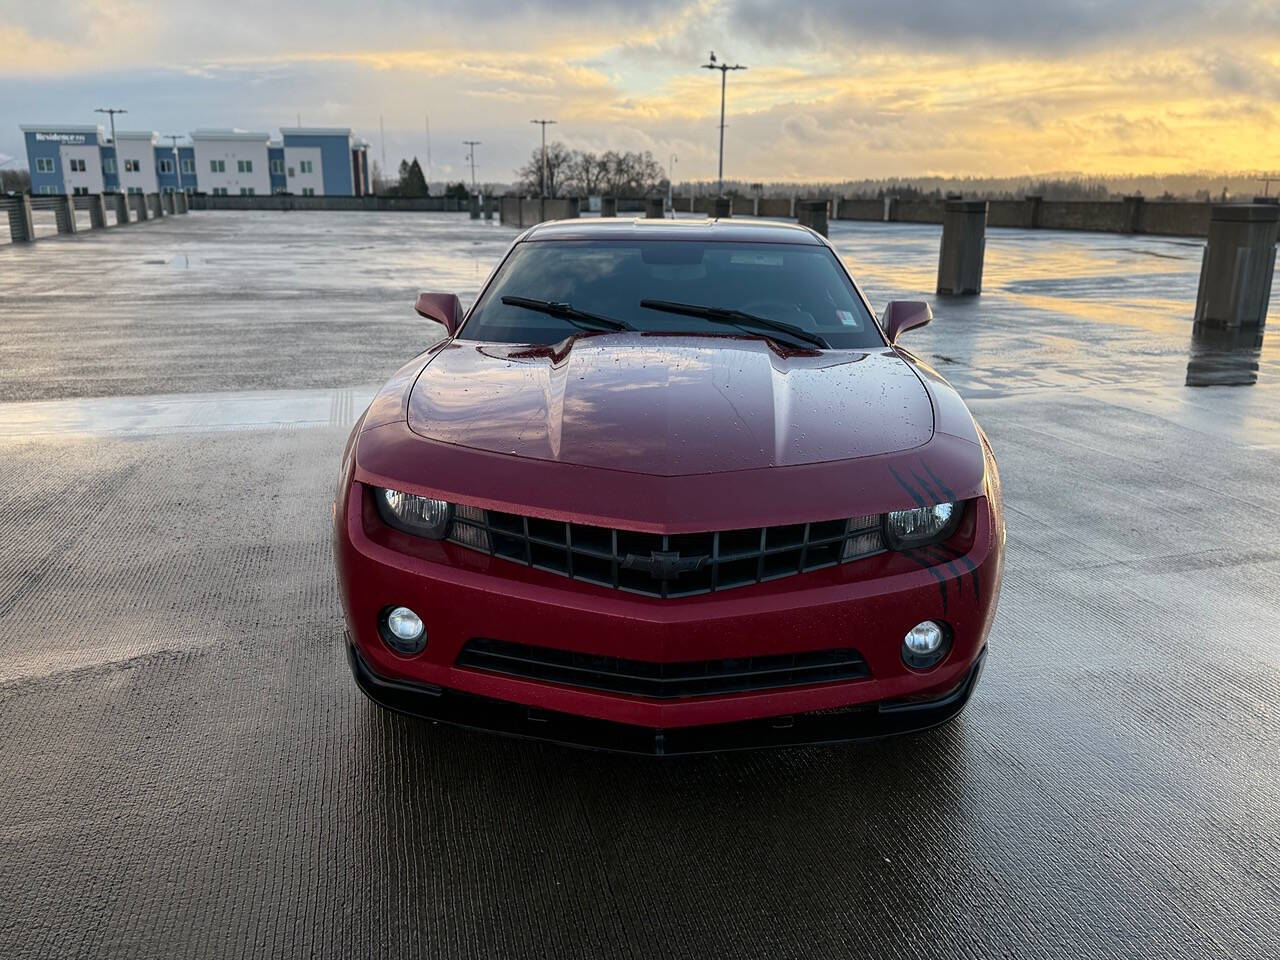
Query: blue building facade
275, 158
176, 169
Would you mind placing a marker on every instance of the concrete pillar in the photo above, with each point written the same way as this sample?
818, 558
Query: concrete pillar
22, 226
139, 203
608, 206
154, 200
793, 206
1031, 212
812, 214
180, 202
835, 208
964, 239
655, 208
64, 214
97, 212
722, 207
890, 209
474, 206
1133, 214
1239, 260
755, 206
490, 205
169, 206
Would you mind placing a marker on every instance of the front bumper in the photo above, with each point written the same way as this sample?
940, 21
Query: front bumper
836, 725
868, 604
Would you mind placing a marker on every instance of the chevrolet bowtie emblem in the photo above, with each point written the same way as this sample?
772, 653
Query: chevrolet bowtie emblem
664, 565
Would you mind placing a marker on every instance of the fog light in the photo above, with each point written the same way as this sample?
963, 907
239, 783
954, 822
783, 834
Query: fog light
926, 644
404, 630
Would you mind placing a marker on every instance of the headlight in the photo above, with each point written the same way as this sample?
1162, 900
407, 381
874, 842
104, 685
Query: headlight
904, 529
420, 516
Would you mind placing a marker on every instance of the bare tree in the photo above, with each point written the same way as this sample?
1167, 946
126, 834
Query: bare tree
587, 174
15, 181
559, 158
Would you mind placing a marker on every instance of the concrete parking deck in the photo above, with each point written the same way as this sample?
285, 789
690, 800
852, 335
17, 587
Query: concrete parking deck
187, 769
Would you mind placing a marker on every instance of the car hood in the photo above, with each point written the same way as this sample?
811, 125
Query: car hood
670, 405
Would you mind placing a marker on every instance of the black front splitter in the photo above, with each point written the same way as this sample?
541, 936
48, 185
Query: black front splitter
838, 725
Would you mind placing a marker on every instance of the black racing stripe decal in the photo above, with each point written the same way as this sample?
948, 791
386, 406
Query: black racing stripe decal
947, 554
946, 491
924, 485
911, 491
927, 563
944, 557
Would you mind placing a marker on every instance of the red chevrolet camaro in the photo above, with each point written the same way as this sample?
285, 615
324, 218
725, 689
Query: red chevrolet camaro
669, 487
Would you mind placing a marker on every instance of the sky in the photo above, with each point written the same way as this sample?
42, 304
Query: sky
835, 90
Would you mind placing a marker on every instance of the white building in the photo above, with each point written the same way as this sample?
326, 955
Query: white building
304, 170
81, 160
136, 160
232, 162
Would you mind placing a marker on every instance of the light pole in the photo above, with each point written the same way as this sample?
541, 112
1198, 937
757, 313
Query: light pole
112, 111
543, 124
724, 69
471, 156
177, 161
671, 183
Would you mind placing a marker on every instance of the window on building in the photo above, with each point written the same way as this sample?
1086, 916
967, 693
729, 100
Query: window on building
217, 166
304, 166
277, 167
134, 189
77, 165
219, 191
244, 166
44, 164
292, 172
132, 166
308, 191
188, 165
48, 188
108, 164
246, 191
165, 166
80, 191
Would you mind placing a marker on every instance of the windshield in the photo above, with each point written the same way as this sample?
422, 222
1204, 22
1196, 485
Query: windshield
797, 285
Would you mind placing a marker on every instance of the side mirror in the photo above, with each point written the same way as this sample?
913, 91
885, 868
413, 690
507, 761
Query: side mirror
442, 308
903, 315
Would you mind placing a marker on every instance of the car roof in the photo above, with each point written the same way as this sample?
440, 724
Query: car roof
712, 229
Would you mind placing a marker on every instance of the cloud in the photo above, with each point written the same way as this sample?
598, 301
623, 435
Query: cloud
1015, 26
834, 89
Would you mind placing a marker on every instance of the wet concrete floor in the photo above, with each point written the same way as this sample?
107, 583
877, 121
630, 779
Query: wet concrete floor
187, 769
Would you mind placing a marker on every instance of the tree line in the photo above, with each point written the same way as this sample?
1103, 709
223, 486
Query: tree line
583, 173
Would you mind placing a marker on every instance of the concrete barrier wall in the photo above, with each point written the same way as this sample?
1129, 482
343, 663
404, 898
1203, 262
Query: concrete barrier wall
1168, 218
872, 209
204, 201
1174, 219
526, 211
775, 207
919, 211
1009, 213
1108, 216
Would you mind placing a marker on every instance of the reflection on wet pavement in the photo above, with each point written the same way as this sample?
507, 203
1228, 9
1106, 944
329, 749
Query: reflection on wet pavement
188, 769
1224, 358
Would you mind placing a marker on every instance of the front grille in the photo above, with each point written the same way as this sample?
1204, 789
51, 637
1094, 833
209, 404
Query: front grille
662, 681
650, 563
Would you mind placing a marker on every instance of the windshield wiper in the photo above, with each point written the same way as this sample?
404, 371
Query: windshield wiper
588, 321
737, 318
